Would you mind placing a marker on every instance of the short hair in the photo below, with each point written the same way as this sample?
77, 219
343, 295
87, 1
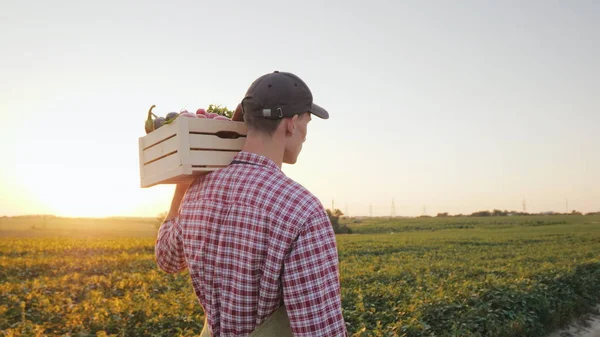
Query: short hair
261, 124
265, 125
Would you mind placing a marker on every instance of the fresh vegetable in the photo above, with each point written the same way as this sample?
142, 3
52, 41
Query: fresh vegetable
188, 114
158, 122
149, 126
172, 115
154, 122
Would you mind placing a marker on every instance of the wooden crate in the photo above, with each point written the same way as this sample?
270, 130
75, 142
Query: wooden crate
188, 147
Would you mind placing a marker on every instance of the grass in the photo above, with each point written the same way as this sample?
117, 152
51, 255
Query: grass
489, 276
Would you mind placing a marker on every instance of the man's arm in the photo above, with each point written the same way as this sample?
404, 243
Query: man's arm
311, 285
169, 246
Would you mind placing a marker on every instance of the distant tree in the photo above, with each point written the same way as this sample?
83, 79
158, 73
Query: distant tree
334, 217
498, 212
574, 212
481, 213
442, 215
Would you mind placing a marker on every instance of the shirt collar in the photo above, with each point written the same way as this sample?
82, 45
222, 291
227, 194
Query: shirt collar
256, 159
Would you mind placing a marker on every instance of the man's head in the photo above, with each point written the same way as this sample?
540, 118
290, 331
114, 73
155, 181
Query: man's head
277, 107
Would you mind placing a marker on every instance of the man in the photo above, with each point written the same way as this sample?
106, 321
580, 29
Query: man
257, 244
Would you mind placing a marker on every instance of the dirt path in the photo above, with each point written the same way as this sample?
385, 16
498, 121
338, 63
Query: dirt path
590, 327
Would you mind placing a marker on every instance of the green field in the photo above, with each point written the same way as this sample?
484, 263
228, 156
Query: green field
488, 276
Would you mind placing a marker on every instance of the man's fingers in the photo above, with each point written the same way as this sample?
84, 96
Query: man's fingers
237, 114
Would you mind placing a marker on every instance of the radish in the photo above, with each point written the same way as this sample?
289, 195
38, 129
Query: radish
188, 114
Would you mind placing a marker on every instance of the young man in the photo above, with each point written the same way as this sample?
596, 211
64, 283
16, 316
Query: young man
257, 244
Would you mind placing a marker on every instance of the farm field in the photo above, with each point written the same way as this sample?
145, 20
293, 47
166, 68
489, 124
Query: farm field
486, 276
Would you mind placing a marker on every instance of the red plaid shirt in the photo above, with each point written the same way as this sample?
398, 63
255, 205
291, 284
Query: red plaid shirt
252, 239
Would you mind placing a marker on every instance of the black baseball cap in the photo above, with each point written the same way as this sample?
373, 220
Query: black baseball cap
280, 94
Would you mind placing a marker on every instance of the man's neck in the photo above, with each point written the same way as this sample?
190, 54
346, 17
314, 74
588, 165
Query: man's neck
261, 145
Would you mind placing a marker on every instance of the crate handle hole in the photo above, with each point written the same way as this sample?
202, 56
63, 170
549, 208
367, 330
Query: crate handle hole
228, 134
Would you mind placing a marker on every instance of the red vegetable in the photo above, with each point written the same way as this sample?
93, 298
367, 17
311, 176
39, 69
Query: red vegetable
188, 114
219, 117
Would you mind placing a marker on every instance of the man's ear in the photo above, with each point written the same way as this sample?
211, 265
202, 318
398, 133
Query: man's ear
290, 124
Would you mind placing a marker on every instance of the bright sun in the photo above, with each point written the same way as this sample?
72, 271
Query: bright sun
82, 193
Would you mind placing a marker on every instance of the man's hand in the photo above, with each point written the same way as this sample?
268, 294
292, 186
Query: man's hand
237, 114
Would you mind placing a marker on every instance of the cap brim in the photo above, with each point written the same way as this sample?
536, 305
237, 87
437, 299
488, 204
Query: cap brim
319, 111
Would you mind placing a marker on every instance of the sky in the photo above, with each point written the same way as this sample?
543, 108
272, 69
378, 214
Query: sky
437, 106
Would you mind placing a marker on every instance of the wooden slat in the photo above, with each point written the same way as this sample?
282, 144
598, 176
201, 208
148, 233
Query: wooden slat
221, 158
141, 157
161, 149
184, 148
213, 126
196, 170
159, 134
213, 142
163, 165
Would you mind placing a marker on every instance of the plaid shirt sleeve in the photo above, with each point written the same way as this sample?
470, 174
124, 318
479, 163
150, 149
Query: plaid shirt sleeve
311, 285
169, 247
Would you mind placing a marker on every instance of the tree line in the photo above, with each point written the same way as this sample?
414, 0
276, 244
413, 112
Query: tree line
497, 212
